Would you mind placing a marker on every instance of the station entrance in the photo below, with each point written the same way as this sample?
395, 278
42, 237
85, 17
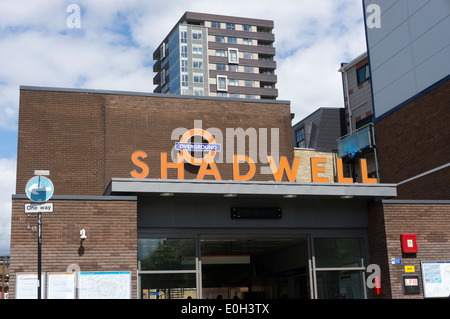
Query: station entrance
251, 266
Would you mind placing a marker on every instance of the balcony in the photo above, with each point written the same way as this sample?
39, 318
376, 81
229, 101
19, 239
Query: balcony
356, 142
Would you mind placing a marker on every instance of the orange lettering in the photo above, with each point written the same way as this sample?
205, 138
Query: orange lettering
179, 166
341, 178
315, 170
251, 171
205, 171
365, 179
136, 161
284, 167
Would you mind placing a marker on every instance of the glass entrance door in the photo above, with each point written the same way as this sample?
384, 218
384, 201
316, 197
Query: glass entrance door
254, 266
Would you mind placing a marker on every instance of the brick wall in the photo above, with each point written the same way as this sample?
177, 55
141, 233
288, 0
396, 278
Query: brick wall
430, 221
111, 244
87, 138
413, 140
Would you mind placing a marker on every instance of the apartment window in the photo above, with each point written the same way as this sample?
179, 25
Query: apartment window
222, 94
215, 24
197, 64
196, 35
163, 51
220, 53
184, 80
184, 65
222, 83
248, 69
234, 95
232, 40
300, 138
233, 68
231, 26
247, 27
198, 78
233, 56
233, 82
250, 83
220, 38
183, 36
184, 51
247, 41
197, 49
248, 55
163, 76
221, 67
199, 91
363, 74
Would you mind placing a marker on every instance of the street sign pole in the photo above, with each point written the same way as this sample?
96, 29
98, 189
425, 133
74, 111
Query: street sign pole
39, 189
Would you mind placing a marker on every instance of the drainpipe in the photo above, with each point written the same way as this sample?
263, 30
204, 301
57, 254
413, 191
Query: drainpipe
344, 72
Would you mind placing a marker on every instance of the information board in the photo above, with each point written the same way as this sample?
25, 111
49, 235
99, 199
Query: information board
27, 286
436, 279
60, 286
104, 285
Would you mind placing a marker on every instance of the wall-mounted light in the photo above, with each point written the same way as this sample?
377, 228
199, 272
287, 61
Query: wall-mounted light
83, 234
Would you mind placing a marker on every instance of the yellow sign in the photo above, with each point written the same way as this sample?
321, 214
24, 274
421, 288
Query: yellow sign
409, 269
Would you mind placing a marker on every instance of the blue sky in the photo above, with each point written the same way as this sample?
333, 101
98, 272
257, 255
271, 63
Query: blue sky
113, 50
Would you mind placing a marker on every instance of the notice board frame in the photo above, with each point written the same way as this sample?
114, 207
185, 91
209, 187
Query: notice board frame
436, 278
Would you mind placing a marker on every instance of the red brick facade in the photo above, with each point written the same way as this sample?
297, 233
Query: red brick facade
415, 139
111, 244
430, 221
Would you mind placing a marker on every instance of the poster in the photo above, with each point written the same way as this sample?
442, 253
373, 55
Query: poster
436, 279
104, 285
60, 286
27, 286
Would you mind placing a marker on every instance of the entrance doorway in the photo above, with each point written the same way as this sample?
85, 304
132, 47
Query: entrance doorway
254, 266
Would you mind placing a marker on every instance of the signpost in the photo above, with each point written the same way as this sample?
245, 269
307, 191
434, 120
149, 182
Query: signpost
39, 189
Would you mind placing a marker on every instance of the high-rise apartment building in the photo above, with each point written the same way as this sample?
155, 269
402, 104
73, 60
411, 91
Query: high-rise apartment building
215, 55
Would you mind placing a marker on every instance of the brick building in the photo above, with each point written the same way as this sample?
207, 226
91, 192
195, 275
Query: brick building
224, 227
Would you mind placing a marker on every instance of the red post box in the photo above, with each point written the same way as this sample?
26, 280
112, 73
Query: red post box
409, 243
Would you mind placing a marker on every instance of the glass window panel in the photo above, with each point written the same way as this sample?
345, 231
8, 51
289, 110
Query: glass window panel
340, 285
338, 252
168, 286
166, 254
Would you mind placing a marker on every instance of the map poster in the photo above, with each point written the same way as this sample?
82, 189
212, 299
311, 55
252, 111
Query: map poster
104, 285
436, 279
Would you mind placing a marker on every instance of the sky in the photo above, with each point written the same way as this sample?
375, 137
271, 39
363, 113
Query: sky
112, 49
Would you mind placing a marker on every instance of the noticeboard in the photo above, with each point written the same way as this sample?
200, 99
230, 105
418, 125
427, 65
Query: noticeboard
104, 285
436, 279
60, 286
27, 286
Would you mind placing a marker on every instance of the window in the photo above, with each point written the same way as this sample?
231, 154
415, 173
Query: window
222, 94
300, 138
247, 41
233, 56
247, 27
231, 26
184, 65
233, 82
363, 74
183, 36
184, 50
222, 83
199, 91
197, 64
221, 67
220, 53
232, 68
163, 76
198, 78
163, 50
248, 69
220, 38
248, 55
249, 83
185, 80
232, 40
215, 24
196, 35
197, 49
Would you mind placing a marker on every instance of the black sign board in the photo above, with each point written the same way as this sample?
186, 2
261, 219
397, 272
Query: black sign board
255, 213
410, 284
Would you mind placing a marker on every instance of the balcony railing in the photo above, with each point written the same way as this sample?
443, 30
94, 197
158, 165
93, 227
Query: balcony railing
353, 143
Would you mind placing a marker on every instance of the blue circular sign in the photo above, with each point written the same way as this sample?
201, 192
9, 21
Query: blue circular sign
39, 189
